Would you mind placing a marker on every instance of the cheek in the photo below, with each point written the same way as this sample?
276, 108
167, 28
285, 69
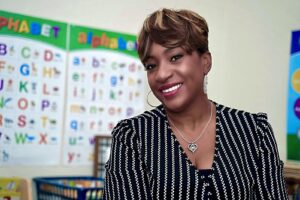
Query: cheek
152, 85
151, 80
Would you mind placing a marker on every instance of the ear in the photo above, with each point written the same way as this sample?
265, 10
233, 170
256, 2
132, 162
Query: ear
207, 62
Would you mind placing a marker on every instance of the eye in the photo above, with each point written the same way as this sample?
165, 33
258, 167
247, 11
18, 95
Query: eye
176, 57
149, 66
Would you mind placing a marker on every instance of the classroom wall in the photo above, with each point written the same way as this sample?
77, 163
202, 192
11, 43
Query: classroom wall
249, 42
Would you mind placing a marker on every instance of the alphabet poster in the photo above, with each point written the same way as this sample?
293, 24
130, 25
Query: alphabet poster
293, 110
32, 89
54, 97
105, 84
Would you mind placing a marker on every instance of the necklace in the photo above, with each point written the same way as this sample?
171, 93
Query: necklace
192, 146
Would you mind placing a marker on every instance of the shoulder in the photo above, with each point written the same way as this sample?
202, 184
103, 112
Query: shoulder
257, 123
135, 124
147, 117
242, 115
155, 113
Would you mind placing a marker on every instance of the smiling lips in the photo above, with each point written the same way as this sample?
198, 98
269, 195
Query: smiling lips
170, 89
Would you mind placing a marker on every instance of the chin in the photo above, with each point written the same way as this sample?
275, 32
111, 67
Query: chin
173, 107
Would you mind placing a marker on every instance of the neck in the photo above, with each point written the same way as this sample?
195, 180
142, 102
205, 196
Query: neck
191, 119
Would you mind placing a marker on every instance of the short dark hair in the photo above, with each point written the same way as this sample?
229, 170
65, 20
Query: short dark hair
171, 29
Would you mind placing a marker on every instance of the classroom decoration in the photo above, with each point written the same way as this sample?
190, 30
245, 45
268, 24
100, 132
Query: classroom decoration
32, 89
105, 84
60, 85
293, 109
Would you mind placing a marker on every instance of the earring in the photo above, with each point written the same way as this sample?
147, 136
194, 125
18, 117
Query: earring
205, 84
148, 100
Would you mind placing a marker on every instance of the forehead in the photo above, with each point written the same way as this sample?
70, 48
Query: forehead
157, 50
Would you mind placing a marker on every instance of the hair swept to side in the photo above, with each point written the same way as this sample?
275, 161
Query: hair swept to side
173, 28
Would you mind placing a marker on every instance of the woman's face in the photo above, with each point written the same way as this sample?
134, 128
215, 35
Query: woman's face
176, 77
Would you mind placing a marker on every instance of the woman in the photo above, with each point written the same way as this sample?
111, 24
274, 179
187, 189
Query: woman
189, 147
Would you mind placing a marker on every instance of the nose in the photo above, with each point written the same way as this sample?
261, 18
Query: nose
163, 73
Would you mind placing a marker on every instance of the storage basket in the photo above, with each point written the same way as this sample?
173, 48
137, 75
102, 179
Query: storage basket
61, 188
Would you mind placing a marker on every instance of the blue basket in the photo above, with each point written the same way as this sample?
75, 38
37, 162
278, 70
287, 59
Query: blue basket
61, 188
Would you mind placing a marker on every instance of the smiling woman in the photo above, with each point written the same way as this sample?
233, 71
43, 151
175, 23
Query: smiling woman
176, 76
189, 147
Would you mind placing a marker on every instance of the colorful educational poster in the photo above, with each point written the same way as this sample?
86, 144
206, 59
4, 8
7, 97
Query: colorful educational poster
293, 110
32, 89
105, 84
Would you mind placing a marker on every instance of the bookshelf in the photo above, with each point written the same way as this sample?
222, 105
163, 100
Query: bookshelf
292, 178
101, 155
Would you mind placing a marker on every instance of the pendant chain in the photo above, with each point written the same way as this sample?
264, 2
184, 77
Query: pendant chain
192, 144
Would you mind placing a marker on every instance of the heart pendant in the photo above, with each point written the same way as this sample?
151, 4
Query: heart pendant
192, 147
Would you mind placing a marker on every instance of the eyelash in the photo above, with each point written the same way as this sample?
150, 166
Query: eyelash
173, 59
149, 66
176, 57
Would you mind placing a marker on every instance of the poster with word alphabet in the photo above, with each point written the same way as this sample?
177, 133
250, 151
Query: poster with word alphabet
32, 89
293, 109
105, 85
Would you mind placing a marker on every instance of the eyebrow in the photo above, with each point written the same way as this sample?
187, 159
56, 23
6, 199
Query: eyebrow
164, 52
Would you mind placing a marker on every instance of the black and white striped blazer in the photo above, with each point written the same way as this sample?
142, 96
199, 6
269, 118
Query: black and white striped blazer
147, 162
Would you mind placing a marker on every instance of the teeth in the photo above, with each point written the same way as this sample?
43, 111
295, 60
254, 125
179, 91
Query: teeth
175, 87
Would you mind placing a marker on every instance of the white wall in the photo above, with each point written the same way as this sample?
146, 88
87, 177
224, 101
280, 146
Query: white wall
249, 41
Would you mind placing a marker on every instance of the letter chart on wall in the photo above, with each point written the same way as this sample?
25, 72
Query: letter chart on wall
32, 84
105, 84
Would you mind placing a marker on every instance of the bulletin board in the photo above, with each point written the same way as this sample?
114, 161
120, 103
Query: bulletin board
60, 85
